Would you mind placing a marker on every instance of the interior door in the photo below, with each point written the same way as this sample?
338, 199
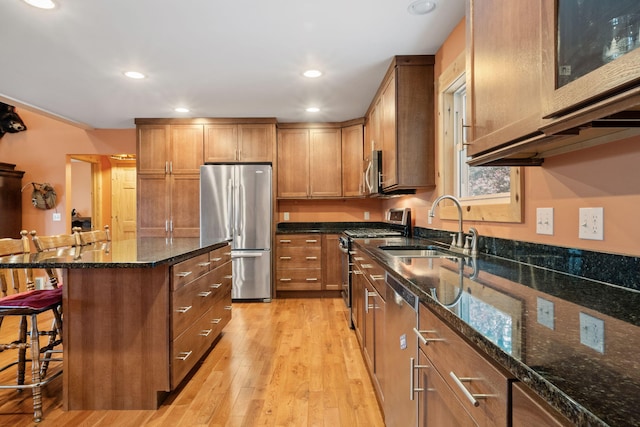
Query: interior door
123, 201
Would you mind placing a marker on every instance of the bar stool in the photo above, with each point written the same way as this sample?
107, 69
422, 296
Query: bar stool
93, 236
27, 303
56, 245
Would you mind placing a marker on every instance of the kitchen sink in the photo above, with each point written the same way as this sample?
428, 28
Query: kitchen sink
417, 251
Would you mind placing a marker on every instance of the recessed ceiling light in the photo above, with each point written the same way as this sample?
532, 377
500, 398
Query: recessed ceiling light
134, 75
312, 110
41, 4
312, 74
421, 7
181, 110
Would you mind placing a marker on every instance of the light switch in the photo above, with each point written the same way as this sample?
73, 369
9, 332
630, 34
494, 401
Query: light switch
286, 216
366, 215
57, 216
544, 221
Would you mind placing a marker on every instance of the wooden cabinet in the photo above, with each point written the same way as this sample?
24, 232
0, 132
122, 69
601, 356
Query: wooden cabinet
200, 308
352, 158
168, 170
504, 92
299, 262
230, 142
481, 388
528, 410
401, 121
331, 263
10, 201
309, 162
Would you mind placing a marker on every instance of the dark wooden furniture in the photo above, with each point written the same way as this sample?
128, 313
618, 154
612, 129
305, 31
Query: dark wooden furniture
10, 200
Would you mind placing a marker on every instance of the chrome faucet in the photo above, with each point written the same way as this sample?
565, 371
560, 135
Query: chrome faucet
467, 245
457, 242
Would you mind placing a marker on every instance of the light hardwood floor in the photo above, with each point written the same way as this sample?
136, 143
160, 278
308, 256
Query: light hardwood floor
291, 362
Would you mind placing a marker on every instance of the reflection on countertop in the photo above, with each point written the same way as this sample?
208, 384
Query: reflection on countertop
571, 339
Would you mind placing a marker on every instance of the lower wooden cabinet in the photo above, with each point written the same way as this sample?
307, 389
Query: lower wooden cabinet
331, 263
298, 262
200, 308
528, 410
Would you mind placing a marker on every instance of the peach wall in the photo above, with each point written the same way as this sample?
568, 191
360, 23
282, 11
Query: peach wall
41, 152
330, 210
605, 176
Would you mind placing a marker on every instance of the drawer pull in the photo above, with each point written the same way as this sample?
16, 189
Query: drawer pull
311, 241
204, 264
285, 279
204, 294
216, 321
228, 276
376, 277
215, 285
183, 274
426, 341
357, 272
285, 241
311, 258
311, 279
472, 397
216, 259
358, 258
412, 379
228, 307
205, 332
285, 257
367, 266
184, 355
368, 294
183, 309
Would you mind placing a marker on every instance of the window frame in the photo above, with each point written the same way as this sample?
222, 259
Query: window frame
509, 209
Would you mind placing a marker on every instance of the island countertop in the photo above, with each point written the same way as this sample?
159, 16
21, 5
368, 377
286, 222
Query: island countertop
134, 253
592, 381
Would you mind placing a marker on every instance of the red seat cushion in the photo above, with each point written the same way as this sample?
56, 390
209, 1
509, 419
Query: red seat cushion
34, 300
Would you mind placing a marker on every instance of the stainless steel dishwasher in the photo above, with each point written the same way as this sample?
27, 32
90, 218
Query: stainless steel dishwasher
401, 346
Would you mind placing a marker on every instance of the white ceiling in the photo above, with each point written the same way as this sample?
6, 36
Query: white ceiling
219, 58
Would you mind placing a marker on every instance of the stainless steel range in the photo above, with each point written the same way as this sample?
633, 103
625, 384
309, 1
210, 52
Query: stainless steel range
397, 223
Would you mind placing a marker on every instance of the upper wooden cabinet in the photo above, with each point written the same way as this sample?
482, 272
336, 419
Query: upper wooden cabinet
166, 149
504, 72
239, 142
352, 158
309, 161
542, 78
400, 122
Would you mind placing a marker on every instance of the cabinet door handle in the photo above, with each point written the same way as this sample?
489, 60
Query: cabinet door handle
471, 397
311, 241
184, 355
183, 274
215, 285
216, 321
285, 241
205, 332
216, 259
368, 294
412, 379
204, 294
312, 279
285, 257
204, 264
183, 310
312, 258
426, 341
285, 279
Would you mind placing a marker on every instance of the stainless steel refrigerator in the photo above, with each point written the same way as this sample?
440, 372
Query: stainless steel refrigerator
236, 205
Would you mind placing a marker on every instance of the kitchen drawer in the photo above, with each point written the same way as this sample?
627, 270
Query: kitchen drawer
189, 270
454, 358
295, 257
219, 256
373, 272
189, 347
299, 240
299, 279
220, 313
190, 302
221, 276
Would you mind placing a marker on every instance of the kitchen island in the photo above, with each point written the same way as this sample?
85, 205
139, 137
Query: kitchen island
120, 323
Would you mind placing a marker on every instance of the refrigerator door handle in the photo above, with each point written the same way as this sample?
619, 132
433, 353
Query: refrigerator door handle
243, 254
239, 210
230, 207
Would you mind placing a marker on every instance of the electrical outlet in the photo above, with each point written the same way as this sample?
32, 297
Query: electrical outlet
546, 313
366, 215
592, 332
286, 216
57, 216
591, 224
544, 221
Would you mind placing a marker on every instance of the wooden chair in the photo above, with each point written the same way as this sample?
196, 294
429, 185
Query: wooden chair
93, 236
55, 245
26, 303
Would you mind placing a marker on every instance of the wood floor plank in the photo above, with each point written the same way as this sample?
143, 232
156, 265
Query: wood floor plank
291, 362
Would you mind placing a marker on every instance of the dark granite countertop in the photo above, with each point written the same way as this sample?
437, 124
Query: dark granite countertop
142, 252
533, 322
